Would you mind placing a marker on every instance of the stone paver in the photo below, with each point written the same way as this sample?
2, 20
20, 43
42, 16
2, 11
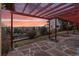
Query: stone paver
15, 53
25, 52
70, 51
67, 46
41, 53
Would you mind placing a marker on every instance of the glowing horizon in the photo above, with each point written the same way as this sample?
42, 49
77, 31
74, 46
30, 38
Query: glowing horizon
25, 23
21, 21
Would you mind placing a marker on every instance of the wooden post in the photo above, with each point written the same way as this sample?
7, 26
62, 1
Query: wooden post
74, 28
77, 28
11, 31
67, 28
56, 30
49, 31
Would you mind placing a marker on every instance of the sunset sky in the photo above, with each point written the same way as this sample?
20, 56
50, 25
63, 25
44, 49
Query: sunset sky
20, 20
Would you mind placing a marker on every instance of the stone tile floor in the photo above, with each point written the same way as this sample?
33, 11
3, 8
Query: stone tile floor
67, 46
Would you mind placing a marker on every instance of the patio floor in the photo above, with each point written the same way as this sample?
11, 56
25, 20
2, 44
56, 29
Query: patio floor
67, 46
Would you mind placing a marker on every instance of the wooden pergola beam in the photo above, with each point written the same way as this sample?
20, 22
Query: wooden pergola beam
29, 15
25, 7
43, 9
67, 12
50, 14
72, 20
35, 8
71, 13
51, 9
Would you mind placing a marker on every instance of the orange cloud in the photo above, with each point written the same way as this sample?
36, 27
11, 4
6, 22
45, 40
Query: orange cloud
7, 16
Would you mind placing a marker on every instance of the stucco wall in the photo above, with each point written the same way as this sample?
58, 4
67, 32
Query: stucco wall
52, 23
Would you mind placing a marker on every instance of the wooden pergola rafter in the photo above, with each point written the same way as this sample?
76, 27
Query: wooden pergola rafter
50, 14
25, 7
52, 9
43, 9
74, 10
35, 8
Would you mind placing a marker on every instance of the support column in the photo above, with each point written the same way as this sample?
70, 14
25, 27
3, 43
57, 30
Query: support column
56, 30
11, 31
77, 28
67, 28
74, 29
49, 31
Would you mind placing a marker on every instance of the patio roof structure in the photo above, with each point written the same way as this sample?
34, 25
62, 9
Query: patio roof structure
44, 11
65, 11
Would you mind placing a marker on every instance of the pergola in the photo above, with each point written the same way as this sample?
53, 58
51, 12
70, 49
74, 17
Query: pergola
64, 11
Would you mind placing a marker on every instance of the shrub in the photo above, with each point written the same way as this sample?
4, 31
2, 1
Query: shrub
17, 30
5, 50
31, 34
43, 31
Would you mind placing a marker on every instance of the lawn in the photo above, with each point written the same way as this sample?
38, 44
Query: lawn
40, 38
28, 41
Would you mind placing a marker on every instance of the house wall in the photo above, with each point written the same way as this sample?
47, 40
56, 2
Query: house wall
52, 24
